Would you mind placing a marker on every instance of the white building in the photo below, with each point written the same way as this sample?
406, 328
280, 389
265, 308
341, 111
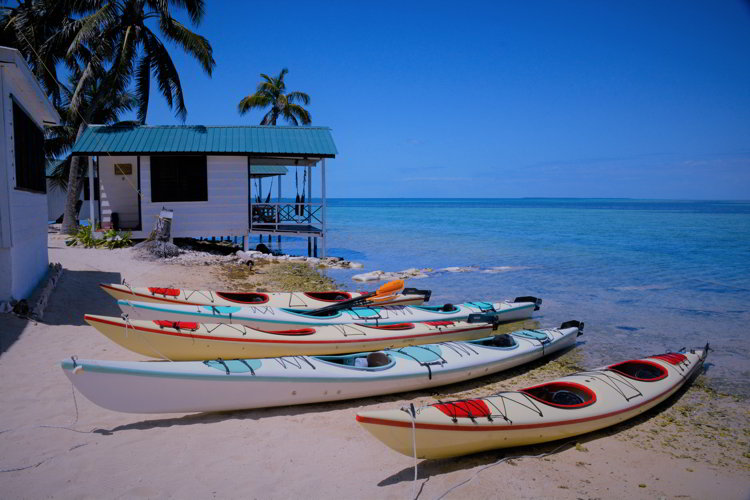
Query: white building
205, 176
23, 198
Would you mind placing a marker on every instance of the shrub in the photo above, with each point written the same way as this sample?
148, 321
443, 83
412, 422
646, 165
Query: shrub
110, 239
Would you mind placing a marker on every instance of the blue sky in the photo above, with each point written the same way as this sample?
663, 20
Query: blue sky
498, 99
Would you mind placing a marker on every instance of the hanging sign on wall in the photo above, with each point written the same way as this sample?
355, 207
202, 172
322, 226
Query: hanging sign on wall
123, 168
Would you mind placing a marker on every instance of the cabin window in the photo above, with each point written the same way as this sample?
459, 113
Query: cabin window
28, 142
178, 178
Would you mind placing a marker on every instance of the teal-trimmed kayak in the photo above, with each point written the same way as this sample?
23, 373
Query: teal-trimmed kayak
270, 318
219, 385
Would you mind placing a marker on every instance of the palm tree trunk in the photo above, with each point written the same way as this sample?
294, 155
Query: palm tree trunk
70, 219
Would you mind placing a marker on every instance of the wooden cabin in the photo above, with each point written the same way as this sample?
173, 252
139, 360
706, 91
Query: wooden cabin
206, 176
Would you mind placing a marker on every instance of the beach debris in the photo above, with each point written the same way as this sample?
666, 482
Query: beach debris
158, 248
414, 273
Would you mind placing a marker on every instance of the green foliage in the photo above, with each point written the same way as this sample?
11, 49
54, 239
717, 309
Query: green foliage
272, 92
112, 50
111, 239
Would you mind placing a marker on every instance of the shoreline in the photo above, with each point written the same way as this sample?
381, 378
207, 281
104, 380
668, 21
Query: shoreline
695, 445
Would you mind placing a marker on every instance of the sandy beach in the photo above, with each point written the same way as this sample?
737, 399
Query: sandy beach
56, 444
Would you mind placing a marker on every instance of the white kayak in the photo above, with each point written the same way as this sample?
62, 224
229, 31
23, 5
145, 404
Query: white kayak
272, 318
576, 404
294, 300
193, 341
221, 385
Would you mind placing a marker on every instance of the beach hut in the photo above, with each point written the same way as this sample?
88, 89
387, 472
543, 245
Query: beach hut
210, 177
23, 192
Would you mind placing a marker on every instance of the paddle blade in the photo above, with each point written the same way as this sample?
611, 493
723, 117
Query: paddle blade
390, 288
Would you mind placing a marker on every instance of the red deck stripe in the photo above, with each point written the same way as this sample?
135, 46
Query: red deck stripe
275, 341
153, 297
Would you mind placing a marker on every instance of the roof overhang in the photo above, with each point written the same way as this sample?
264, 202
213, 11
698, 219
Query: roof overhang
272, 145
27, 90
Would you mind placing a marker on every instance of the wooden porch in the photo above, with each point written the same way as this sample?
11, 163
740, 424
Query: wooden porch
279, 217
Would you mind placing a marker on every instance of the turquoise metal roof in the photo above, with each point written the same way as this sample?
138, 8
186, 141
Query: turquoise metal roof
286, 141
265, 170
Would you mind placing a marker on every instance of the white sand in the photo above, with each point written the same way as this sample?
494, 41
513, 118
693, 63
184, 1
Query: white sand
312, 451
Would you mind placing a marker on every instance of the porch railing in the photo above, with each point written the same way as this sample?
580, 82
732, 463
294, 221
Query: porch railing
284, 214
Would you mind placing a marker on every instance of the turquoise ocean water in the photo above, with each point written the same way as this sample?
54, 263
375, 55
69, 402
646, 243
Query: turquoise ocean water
644, 275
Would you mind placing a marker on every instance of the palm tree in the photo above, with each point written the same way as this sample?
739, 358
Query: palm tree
108, 44
28, 27
135, 51
60, 138
115, 35
271, 92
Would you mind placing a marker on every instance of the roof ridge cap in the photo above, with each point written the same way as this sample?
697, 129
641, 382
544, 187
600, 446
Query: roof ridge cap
290, 127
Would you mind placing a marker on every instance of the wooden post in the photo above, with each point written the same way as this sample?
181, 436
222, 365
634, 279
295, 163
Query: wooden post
92, 214
323, 200
309, 190
278, 208
250, 201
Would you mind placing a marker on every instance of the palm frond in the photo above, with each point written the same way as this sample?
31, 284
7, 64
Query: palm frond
298, 96
270, 117
192, 43
91, 27
251, 102
166, 75
60, 173
195, 8
289, 116
299, 113
143, 86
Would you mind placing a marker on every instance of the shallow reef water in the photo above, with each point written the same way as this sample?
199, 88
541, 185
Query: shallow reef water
646, 276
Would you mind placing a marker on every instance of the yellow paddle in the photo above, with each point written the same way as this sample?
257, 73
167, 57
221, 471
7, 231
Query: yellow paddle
390, 288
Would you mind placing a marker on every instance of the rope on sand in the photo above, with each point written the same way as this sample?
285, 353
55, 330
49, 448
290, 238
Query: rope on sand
542, 455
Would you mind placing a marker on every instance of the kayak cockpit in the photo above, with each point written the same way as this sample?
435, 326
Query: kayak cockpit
445, 309
504, 341
244, 298
329, 296
641, 370
372, 361
317, 315
562, 394
229, 366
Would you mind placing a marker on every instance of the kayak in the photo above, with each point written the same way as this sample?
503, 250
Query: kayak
283, 318
191, 341
294, 300
576, 404
223, 385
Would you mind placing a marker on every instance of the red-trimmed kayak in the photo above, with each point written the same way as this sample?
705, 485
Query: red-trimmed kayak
191, 341
576, 404
295, 300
